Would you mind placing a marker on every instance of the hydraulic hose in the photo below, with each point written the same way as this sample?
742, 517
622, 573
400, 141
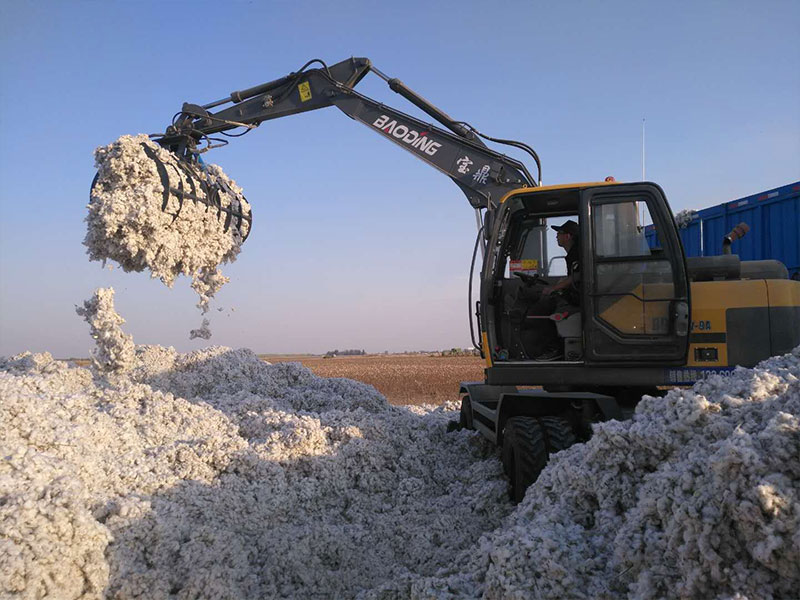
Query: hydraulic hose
469, 292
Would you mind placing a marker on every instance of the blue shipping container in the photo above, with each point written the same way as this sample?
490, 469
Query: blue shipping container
774, 220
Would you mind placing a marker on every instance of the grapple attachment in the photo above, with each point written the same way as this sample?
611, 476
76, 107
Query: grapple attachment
179, 178
183, 179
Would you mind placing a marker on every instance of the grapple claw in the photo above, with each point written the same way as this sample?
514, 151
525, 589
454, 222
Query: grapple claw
204, 188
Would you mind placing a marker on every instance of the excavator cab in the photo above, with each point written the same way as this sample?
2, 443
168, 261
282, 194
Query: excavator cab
629, 335
628, 301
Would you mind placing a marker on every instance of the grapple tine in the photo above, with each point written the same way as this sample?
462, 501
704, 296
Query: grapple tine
239, 213
179, 193
162, 173
203, 189
191, 179
227, 222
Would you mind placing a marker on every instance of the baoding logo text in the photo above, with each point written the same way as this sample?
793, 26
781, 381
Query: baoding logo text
415, 139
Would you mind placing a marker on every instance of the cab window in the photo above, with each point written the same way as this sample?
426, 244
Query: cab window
633, 283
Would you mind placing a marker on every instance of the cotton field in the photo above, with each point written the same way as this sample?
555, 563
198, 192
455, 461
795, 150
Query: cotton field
212, 474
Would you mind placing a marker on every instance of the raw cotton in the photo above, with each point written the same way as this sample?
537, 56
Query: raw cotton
115, 349
684, 217
697, 497
213, 474
201, 332
126, 222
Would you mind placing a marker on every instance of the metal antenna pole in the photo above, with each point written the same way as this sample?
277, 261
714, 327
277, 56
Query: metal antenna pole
643, 171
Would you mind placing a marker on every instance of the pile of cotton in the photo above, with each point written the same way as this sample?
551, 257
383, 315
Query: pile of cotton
129, 223
213, 474
697, 497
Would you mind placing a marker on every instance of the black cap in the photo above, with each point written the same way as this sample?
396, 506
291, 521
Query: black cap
570, 227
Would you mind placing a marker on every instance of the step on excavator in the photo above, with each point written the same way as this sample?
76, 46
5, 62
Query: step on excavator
633, 316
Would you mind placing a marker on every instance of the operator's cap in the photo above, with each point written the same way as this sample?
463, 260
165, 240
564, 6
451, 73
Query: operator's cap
570, 227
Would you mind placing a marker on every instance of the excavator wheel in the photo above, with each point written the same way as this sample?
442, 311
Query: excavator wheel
524, 453
558, 434
465, 417
507, 455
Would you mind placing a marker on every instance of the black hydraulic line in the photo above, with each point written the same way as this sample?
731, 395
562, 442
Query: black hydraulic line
248, 130
461, 128
292, 77
469, 292
513, 143
406, 92
271, 100
242, 95
456, 127
521, 146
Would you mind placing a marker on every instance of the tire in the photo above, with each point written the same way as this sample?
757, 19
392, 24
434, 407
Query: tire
524, 453
558, 434
507, 452
465, 418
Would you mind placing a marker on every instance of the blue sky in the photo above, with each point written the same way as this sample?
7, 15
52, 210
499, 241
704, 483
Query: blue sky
356, 243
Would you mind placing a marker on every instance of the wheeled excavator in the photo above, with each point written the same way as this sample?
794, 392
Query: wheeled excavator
642, 318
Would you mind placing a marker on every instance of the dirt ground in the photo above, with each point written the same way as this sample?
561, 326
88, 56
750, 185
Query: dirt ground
403, 379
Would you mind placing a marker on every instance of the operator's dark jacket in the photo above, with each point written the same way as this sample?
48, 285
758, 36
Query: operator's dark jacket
572, 294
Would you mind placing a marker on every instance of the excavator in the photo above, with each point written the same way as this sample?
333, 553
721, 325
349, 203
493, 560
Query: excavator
641, 316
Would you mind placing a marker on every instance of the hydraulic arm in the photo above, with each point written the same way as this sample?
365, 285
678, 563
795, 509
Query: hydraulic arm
483, 174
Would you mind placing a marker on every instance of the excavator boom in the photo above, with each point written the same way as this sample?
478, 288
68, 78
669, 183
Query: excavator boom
483, 174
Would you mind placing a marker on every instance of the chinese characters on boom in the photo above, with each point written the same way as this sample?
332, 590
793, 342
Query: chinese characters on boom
481, 175
464, 164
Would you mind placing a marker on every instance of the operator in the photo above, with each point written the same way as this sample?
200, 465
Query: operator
560, 297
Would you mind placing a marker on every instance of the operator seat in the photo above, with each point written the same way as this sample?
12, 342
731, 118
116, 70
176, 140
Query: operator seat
569, 327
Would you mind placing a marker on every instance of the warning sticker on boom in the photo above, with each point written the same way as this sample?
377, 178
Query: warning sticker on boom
305, 91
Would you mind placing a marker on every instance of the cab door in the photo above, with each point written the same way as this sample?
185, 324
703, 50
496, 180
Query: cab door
636, 294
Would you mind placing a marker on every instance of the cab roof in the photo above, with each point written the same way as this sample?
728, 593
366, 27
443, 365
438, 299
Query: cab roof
560, 186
